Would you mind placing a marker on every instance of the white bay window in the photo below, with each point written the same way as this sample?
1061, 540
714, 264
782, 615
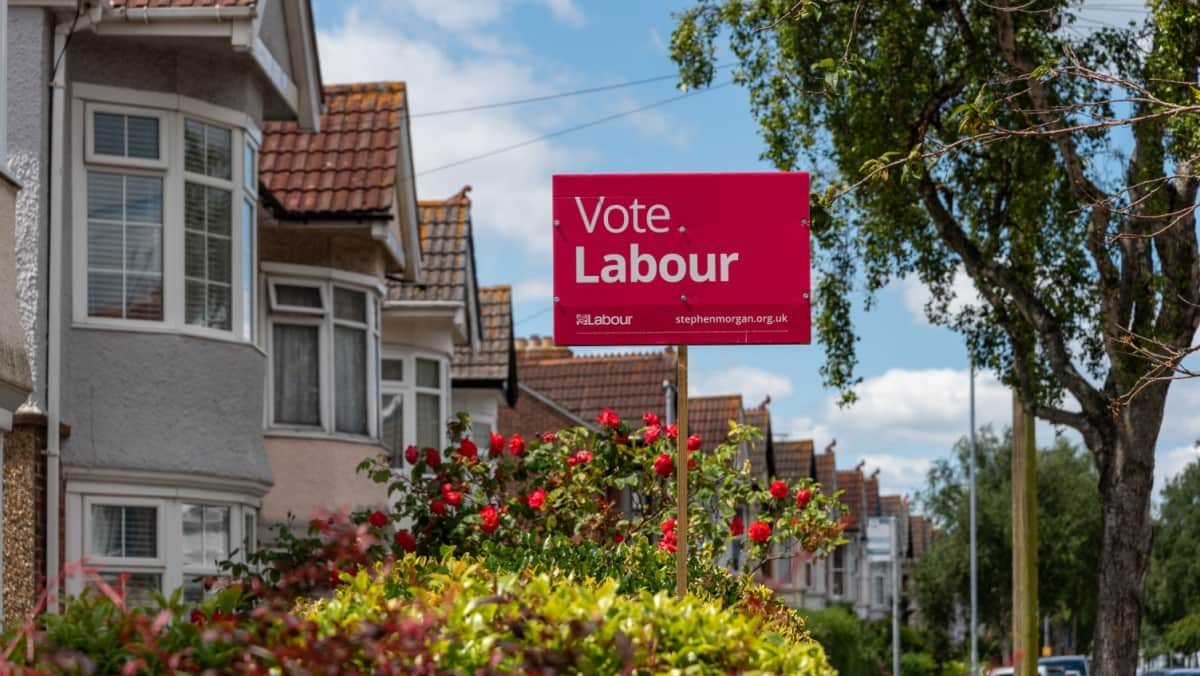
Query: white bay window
324, 346
166, 217
160, 542
415, 392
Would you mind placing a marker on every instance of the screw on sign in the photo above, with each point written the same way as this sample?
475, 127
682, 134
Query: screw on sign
664, 259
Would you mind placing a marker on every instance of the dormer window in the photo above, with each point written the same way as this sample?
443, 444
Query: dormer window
165, 223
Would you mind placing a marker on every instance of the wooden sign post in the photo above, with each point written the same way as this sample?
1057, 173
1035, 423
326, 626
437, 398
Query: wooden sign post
681, 477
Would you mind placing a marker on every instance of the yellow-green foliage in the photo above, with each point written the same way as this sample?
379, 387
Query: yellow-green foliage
517, 622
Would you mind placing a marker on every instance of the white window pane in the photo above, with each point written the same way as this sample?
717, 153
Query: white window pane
298, 296
248, 296
216, 534
105, 246
193, 534
207, 149
393, 428
208, 252
220, 306
143, 296
108, 132
481, 432
350, 305
194, 588
124, 242
429, 373
143, 248
250, 169
350, 366
249, 532
139, 587
124, 531
141, 137
219, 211
393, 369
429, 420
296, 375
219, 151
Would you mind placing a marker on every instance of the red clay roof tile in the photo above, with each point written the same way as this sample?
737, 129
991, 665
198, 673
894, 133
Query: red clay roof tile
793, 459
349, 167
492, 361
709, 417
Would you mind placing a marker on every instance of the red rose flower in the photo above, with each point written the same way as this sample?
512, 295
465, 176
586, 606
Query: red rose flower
410, 454
618, 538
669, 542
516, 445
651, 419
803, 496
491, 519
691, 463
663, 465
672, 431
668, 526
537, 499
583, 456
621, 438
468, 449
547, 437
779, 490
694, 442
609, 418
453, 498
496, 444
335, 577
198, 617
438, 507
759, 531
406, 541
378, 519
432, 457
651, 434
736, 527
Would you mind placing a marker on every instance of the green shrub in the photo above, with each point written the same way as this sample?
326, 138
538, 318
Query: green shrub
843, 635
524, 622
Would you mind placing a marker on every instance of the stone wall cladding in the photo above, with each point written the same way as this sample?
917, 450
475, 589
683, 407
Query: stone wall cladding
25, 515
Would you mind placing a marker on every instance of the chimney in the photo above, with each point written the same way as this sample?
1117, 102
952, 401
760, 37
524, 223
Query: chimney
538, 348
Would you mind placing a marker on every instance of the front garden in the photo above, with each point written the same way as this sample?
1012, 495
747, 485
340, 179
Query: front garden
544, 556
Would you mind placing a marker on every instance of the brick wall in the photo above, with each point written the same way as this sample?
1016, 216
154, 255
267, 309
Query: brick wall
530, 417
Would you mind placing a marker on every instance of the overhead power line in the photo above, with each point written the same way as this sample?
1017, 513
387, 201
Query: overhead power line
550, 97
578, 127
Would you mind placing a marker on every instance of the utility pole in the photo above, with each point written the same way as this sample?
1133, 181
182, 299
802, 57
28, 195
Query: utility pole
974, 562
1024, 542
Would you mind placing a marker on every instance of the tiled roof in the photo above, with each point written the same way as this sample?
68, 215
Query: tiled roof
891, 505
793, 459
153, 4
630, 384
709, 417
871, 487
761, 418
920, 532
445, 248
494, 357
827, 470
851, 483
346, 169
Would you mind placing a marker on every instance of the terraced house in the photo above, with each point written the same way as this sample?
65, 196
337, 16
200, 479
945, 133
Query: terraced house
229, 294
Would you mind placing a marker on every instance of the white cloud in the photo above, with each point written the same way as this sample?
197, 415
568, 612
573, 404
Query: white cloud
535, 291
511, 191
652, 124
566, 11
801, 427
657, 41
916, 295
1180, 420
897, 474
753, 384
1167, 464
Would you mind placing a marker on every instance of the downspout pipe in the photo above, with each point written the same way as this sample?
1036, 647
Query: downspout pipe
54, 314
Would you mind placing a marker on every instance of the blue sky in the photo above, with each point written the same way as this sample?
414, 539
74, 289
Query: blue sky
454, 53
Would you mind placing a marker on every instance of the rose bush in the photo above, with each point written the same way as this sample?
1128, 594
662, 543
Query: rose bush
570, 484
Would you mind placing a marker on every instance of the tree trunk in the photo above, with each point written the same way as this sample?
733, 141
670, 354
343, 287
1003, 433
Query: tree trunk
1126, 481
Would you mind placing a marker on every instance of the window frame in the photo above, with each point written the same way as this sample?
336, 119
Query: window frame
137, 564
407, 391
169, 564
172, 113
276, 313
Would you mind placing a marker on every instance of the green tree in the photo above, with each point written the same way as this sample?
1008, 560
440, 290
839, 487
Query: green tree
1173, 584
844, 638
1058, 171
1068, 527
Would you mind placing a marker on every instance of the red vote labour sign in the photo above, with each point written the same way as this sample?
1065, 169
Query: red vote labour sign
700, 259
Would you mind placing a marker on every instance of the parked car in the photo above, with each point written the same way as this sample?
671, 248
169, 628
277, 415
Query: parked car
1191, 671
1073, 665
1043, 670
